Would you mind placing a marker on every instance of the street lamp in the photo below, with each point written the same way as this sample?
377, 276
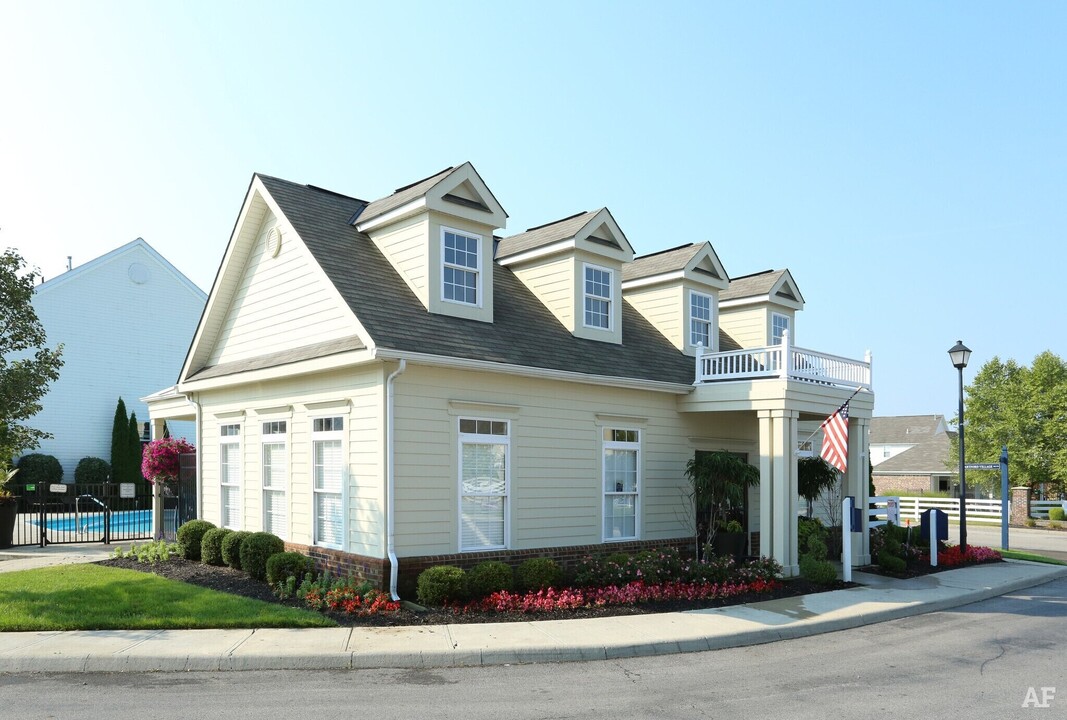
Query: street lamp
960, 354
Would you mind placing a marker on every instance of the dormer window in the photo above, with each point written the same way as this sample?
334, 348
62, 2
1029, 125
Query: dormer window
462, 266
598, 297
700, 319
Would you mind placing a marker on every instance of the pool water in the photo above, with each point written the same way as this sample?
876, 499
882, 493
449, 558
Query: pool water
126, 521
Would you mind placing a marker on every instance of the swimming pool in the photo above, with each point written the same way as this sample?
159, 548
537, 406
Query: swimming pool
125, 521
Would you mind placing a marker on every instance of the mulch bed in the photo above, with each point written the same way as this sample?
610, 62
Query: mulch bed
225, 579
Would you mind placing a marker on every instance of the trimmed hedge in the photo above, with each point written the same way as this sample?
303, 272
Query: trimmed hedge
538, 574
440, 584
92, 470
1056, 514
284, 565
211, 546
256, 550
190, 536
489, 577
39, 469
231, 548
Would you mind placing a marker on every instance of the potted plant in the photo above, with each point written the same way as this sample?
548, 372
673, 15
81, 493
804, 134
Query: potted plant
719, 482
8, 508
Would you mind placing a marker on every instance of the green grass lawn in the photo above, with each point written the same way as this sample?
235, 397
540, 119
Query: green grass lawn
93, 597
1032, 557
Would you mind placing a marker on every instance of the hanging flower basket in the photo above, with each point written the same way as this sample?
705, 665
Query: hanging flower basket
159, 463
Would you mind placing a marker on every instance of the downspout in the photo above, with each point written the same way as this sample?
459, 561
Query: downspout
390, 479
199, 455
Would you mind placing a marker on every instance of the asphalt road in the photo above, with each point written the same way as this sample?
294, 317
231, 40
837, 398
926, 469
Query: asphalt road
979, 661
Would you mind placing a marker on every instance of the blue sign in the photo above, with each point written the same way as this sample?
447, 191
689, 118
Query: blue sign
982, 466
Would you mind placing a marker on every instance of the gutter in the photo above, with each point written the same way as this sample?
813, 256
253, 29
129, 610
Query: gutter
390, 479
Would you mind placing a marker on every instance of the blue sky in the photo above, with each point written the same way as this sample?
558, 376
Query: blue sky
906, 161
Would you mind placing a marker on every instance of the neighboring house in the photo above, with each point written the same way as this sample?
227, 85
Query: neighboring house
910, 455
124, 320
388, 385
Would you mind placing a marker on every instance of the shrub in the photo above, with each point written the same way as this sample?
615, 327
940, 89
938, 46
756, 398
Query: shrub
489, 577
813, 564
713, 569
1054, 524
92, 470
441, 584
657, 566
1056, 514
211, 546
231, 548
256, 550
39, 469
190, 536
538, 574
808, 528
1030, 522
284, 565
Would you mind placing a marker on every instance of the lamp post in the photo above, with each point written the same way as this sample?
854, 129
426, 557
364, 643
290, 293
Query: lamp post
960, 354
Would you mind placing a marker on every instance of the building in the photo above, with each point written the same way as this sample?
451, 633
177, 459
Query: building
389, 385
124, 320
912, 455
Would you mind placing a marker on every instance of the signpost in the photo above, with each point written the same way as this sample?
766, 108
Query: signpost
1004, 511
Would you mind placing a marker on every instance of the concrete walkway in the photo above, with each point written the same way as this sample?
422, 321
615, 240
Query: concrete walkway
877, 600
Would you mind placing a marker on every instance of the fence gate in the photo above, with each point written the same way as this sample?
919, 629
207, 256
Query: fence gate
179, 500
82, 512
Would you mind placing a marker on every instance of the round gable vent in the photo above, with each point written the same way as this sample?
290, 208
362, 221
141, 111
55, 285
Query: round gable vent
273, 244
138, 273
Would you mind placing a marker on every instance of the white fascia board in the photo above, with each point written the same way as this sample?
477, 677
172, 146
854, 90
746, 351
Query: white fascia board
537, 253
653, 280
393, 215
534, 372
739, 302
300, 367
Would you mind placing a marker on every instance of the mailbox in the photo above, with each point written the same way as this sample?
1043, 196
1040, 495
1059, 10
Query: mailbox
855, 519
938, 519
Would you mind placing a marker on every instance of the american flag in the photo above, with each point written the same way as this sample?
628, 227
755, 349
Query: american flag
835, 439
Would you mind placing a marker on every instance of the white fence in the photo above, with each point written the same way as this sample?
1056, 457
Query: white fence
910, 508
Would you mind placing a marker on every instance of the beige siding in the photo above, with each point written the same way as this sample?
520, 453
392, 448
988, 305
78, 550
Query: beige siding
406, 246
357, 396
553, 284
281, 302
556, 491
748, 326
664, 307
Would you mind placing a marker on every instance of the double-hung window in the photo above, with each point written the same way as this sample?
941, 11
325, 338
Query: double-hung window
701, 320
483, 483
275, 468
461, 266
598, 297
622, 482
327, 458
230, 475
779, 327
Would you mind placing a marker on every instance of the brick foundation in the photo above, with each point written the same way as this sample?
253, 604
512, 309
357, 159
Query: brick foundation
376, 570
1020, 506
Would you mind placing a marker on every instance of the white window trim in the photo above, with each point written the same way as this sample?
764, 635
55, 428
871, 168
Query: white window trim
610, 299
713, 321
341, 435
234, 440
273, 439
475, 438
638, 485
479, 280
788, 327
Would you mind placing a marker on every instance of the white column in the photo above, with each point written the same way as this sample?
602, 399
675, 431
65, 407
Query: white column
858, 485
778, 488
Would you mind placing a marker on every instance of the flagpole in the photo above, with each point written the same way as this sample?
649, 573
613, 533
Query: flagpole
854, 394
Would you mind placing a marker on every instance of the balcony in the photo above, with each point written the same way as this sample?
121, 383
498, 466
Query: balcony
784, 362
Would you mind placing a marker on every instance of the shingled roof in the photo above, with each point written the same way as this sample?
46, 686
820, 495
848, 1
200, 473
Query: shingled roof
542, 235
523, 331
662, 262
401, 196
754, 285
932, 444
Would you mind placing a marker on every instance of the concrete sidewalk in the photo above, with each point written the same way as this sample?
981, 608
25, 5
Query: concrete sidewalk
877, 600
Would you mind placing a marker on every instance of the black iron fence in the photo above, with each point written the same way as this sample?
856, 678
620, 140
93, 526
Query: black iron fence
82, 512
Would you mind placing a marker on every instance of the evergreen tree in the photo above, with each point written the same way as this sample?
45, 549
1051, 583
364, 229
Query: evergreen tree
134, 450
120, 444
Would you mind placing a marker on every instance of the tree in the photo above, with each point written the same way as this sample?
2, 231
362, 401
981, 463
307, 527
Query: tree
719, 480
120, 444
133, 448
813, 476
27, 367
1024, 408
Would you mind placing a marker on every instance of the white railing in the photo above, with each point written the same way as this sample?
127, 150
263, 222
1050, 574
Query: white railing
782, 361
1039, 508
910, 508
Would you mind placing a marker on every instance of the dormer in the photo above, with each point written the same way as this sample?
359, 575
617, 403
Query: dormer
756, 310
438, 235
574, 266
677, 291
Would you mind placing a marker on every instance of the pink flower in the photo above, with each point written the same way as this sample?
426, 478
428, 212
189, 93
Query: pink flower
159, 462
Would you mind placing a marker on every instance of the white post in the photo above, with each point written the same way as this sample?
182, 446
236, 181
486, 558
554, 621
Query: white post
846, 538
786, 368
699, 371
933, 538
